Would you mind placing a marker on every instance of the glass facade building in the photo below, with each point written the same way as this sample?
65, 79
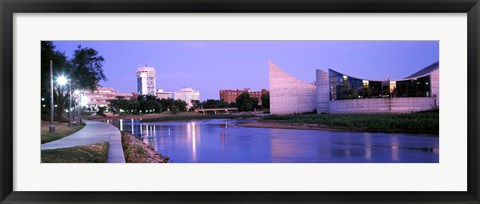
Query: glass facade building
343, 87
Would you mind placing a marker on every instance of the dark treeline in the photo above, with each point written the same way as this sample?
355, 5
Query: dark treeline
146, 104
150, 104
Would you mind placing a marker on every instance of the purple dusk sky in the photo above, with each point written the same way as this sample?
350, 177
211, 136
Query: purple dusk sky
209, 66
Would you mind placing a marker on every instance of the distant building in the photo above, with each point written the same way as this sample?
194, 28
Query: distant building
187, 95
229, 95
146, 81
100, 97
163, 95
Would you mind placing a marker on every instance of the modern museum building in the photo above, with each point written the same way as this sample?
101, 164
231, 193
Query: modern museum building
335, 92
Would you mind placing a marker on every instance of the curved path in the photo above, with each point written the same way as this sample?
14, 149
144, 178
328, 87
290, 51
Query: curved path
92, 133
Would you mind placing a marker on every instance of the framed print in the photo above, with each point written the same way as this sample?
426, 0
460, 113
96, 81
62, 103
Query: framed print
257, 102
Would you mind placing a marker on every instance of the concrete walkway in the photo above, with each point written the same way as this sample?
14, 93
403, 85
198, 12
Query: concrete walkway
92, 133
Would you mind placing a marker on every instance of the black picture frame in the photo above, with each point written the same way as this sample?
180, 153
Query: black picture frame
10, 7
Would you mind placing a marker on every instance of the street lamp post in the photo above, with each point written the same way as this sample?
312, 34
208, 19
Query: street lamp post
62, 80
80, 109
77, 105
51, 128
70, 103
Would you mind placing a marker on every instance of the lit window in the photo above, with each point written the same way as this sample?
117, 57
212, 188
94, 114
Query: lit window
365, 82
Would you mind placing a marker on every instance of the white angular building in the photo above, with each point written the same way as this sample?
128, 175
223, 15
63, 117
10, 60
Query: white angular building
146, 81
289, 94
187, 95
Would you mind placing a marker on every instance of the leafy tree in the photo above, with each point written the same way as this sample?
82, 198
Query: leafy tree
84, 70
255, 102
212, 103
178, 105
196, 104
60, 67
165, 104
101, 111
265, 100
87, 68
245, 102
119, 103
148, 106
133, 105
232, 105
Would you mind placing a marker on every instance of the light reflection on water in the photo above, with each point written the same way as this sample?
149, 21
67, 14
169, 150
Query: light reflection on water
221, 141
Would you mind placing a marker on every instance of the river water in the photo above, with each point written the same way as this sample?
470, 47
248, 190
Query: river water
221, 141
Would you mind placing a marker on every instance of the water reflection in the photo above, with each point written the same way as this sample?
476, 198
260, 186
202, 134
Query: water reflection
395, 152
223, 141
368, 146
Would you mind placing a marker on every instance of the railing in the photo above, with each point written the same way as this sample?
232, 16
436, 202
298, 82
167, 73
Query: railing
216, 110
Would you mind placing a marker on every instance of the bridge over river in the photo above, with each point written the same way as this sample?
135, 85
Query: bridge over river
216, 110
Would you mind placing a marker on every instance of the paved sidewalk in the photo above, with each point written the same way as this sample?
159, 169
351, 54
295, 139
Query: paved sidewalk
92, 133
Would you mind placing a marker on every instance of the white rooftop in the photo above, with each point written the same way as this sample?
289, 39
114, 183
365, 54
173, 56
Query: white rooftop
148, 69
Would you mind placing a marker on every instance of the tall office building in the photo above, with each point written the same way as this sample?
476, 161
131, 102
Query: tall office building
146, 81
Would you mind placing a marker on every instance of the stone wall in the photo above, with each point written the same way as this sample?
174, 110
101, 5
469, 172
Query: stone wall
289, 94
382, 105
434, 79
323, 96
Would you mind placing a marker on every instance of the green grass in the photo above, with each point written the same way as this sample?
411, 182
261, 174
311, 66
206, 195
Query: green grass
421, 122
94, 153
197, 117
61, 130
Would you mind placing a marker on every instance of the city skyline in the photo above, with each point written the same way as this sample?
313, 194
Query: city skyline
209, 66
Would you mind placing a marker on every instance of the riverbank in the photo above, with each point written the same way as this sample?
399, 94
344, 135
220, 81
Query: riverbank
138, 152
94, 153
421, 122
278, 125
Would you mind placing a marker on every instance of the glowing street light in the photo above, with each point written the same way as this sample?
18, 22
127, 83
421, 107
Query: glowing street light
62, 80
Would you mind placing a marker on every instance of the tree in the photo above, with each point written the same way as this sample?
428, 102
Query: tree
165, 104
212, 103
60, 66
133, 105
232, 105
196, 104
84, 70
255, 102
245, 102
87, 68
178, 105
119, 103
265, 100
